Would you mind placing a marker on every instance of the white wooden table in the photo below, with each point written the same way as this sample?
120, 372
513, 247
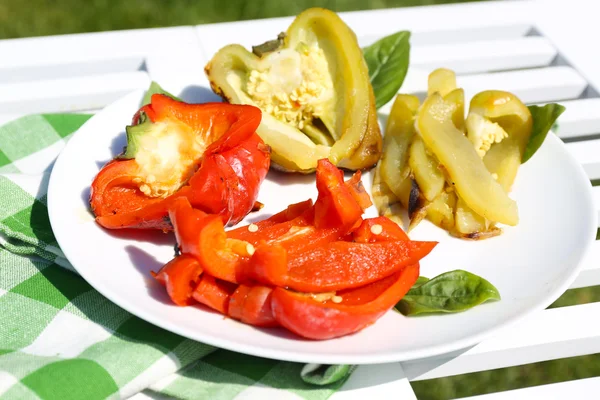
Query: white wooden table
542, 50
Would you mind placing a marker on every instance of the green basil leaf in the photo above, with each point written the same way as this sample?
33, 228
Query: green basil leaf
449, 292
388, 60
156, 89
543, 120
323, 374
420, 280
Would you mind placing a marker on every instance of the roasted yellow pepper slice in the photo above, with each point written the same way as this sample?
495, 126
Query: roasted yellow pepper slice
507, 111
399, 133
313, 87
465, 168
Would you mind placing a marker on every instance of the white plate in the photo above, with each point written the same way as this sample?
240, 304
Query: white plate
531, 264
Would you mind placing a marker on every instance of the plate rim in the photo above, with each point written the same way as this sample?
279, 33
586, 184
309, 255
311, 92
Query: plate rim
296, 356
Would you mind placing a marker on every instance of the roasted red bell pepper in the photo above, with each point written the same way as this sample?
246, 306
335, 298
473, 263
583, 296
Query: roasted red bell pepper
291, 212
337, 205
357, 309
203, 236
319, 270
335, 265
226, 255
251, 304
214, 293
338, 209
379, 229
358, 191
211, 155
186, 222
180, 276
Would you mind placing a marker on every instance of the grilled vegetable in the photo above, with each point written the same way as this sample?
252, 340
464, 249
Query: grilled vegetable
502, 118
454, 171
312, 85
472, 180
207, 153
321, 270
441, 210
442, 81
426, 169
399, 134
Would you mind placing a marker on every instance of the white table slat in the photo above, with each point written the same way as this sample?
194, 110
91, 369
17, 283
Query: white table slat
464, 34
580, 119
11, 72
536, 85
569, 37
482, 56
536, 338
588, 154
97, 50
579, 389
69, 94
213, 35
596, 194
590, 271
508, 20
377, 382
171, 56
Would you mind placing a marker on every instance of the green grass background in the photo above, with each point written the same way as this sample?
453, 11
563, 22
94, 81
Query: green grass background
20, 18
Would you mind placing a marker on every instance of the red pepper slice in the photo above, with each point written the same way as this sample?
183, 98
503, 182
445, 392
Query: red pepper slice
221, 257
203, 236
358, 308
180, 276
336, 265
336, 205
358, 191
236, 302
268, 265
379, 229
252, 305
187, 223
301, 251
214, 293
293, 211
227, 181
338, 208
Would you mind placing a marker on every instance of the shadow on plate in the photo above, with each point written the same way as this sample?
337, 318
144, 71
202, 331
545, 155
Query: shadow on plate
144, 263
251, 218
284, 178
117, 145
199, 94
154, 236
85, 198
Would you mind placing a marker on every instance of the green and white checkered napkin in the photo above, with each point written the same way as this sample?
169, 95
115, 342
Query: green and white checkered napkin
60, 339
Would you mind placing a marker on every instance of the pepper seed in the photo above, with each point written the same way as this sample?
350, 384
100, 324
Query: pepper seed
253, 228
376, 229
336, 299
